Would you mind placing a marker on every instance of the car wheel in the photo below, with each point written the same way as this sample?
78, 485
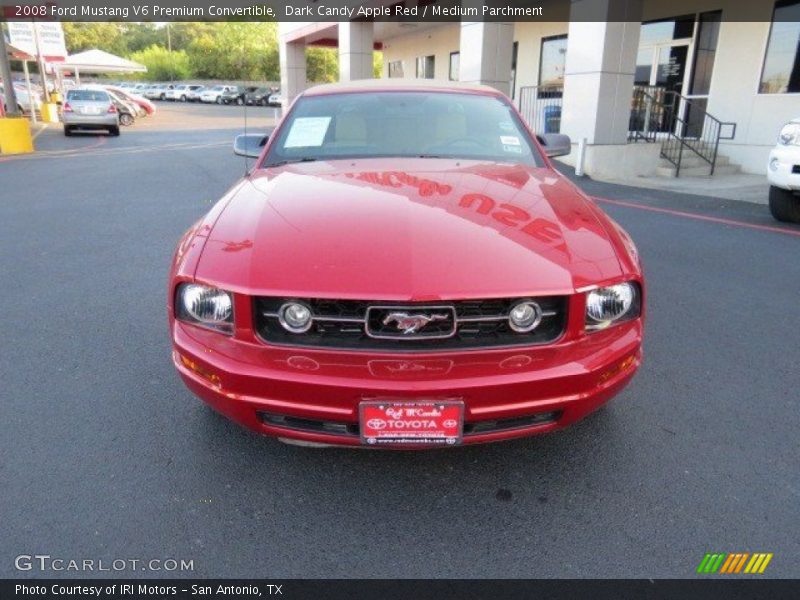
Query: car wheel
114, 131
162, 97
219, 100
183, 98
264, 102
784, 205
125, 119
239, 101
67, 130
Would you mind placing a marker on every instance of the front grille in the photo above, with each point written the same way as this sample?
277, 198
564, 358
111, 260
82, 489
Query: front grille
353, 430
365, 325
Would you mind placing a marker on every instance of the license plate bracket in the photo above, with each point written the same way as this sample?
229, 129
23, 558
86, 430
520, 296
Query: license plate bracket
410, 423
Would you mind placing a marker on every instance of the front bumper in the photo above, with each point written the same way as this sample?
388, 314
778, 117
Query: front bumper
783, 169
507, 393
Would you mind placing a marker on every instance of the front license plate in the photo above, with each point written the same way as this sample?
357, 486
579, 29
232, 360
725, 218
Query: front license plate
410, 423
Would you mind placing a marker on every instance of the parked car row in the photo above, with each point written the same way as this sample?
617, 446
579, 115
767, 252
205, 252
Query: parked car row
25, 102
106, 107
212, 94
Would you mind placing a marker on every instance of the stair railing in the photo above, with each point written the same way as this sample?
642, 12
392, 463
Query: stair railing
679, 123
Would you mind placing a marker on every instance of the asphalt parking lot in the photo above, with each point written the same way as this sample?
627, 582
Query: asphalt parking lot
104, 454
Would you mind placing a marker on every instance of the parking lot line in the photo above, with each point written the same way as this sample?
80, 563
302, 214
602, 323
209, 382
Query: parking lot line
698, 217
93, 150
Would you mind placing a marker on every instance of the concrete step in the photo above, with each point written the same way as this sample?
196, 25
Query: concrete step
703, 171
692, 160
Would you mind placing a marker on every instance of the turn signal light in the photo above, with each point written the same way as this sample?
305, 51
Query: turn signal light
204, 373
66, 107
112, 108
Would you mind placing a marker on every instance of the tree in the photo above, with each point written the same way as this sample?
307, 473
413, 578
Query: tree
236, 50
322, 65
86, 36
163, 65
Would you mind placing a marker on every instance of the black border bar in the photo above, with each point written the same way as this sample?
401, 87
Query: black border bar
401, 589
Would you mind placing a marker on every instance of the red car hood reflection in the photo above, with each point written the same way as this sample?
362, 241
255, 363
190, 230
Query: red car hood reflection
411, 229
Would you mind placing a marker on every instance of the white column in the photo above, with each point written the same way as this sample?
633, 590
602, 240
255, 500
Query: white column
355, 50
485, 54
599, 72
293, 70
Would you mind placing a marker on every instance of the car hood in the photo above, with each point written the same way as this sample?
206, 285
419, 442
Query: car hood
411, 229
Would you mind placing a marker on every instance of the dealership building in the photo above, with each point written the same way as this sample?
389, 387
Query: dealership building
686, 87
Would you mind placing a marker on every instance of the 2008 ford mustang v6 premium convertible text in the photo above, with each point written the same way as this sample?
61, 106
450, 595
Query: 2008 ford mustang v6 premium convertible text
403, 267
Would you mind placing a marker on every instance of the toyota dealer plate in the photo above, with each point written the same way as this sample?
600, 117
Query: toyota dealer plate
411, 423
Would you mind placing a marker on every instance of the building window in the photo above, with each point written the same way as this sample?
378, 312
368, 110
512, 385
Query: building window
455, 60
395, 69
781, 72
425, 65
552, 61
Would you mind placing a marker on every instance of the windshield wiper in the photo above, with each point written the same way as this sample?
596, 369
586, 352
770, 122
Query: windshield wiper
289, 161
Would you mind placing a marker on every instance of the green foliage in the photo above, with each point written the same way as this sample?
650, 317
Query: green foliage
322, 65
233, 50
163, 65
85, 36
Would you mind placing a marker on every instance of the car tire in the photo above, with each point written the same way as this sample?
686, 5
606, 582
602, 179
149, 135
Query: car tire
126, 120
264, 102
239, 102
114, 131
219, 100
183, 98
67, 131
784, 205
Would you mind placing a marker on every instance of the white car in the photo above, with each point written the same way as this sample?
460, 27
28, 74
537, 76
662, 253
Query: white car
193, 94
24, 101
274, 99
214, 94
783, 173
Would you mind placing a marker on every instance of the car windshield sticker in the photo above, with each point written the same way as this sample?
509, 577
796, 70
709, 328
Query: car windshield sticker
514, 149
509, 140
307, 131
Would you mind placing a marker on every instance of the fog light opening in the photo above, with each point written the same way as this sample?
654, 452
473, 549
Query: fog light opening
525, 316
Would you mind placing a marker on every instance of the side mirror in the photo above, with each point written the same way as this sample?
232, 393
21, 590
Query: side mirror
249, 145
556, 144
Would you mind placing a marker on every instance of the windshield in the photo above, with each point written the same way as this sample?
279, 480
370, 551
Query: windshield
402, 124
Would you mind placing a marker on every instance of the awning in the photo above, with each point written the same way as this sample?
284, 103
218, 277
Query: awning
15, 53
97, 61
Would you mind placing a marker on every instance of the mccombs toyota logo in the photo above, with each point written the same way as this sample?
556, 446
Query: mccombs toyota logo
740, 562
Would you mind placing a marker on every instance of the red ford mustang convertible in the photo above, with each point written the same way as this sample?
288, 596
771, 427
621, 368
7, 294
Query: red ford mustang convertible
404, 268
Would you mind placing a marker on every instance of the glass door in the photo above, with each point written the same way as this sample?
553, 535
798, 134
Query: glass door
663, 70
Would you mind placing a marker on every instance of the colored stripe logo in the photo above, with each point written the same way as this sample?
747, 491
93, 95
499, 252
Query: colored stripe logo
733, 563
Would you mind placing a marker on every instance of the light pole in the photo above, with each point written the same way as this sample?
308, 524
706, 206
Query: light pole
171, 60
5, 71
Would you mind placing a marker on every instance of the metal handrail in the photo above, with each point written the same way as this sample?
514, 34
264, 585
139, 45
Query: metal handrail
679, 123
540, 106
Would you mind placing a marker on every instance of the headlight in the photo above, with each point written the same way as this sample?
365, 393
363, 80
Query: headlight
525, 316
295, 317
606, 305
790, 135
205, 306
